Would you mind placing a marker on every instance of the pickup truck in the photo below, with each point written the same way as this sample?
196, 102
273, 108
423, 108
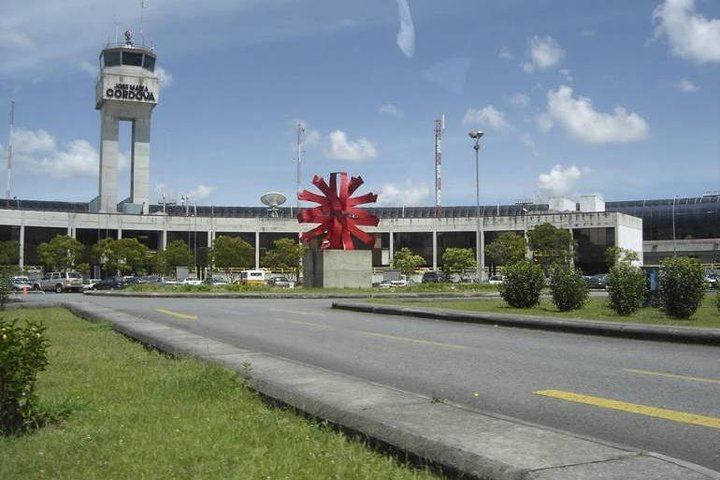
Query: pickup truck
59, 282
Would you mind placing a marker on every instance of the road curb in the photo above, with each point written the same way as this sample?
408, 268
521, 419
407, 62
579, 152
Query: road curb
702, 336
479, 444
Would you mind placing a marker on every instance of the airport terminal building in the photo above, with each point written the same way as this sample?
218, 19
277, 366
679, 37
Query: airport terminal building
127, 90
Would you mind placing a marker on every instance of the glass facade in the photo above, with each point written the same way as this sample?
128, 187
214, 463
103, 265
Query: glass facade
694, 218
115, 57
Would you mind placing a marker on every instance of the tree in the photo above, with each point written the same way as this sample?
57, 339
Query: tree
61, 253
507, 249
682, 286
459, 260
125, 256
9, 252
523, 283
615, 255
176, 254
550, 245
568, 289
232, 252
286, 254
406, 261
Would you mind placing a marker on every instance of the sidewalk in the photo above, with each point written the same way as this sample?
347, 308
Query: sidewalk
476, 443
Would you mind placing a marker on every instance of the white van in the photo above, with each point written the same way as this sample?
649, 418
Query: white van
252, 277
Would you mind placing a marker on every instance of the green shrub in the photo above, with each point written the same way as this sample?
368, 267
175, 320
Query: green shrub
682, 286
522, 285
627, 288
568, 288
6, 287
22, 356
717, 301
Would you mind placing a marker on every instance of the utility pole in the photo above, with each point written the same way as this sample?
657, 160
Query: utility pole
10, 152
299, 130
439, 128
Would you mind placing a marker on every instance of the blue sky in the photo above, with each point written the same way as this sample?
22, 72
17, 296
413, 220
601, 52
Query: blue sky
617, 97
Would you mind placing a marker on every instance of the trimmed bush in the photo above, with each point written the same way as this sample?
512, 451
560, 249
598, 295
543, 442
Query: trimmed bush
568, 288
627, 288
522, 285
22, 356
682, 286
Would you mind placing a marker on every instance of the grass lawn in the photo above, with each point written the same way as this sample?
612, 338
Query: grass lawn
596, 309
136, 414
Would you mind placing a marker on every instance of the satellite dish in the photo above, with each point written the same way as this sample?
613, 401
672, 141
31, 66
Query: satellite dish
273, 200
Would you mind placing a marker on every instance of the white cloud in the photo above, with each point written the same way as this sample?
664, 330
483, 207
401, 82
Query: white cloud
353, 150
37, 152
506, 54
687, 86
164, 77
579, 118
528, 141
392, 110
690, 34
392, 195
486, 116
406, 34
520, 100
90, 68
544, 53
201, 192
559, 181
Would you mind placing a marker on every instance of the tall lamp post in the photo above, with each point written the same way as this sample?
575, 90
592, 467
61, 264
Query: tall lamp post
673, 227
476, 135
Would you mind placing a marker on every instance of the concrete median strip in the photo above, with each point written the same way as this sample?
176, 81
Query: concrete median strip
478, 444
701, 336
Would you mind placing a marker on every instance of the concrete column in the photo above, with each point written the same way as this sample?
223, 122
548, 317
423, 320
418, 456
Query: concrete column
109, 131
482, 249
21, 262
257, 250
434, 254
163, 240
119, 235
140, 165
392, 246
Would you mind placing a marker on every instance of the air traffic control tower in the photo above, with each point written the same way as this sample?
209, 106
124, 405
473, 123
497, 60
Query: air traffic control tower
127, 90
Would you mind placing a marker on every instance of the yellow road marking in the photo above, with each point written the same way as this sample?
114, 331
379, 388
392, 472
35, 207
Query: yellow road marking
672, 375
177, 314
674, 415
413, 340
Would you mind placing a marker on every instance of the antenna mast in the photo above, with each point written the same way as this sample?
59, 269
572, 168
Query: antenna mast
10, 151
439, 128
299, 130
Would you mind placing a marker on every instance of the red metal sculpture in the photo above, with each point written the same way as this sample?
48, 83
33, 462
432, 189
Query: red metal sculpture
337, 213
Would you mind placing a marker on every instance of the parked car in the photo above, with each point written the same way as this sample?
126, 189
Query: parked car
434, 277
279, 281
21, 283
496, 279
192, 281
403, 281
59, 282
599, 280
711, 279
110, 283
89, 283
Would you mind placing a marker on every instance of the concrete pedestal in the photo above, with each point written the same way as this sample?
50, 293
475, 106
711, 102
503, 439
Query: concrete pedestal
337, 269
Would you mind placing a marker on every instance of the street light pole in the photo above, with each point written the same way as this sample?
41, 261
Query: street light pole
673, 227
476, 135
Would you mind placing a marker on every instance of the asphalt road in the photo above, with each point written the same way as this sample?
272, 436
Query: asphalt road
656, 396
